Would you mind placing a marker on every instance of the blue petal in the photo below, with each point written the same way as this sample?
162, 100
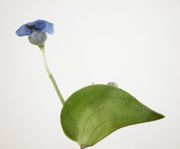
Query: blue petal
24, 31
39, 25
44, 26
49, 28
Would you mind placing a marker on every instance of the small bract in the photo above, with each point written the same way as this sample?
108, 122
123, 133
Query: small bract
36, 31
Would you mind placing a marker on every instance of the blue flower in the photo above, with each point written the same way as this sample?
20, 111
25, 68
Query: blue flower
36, 31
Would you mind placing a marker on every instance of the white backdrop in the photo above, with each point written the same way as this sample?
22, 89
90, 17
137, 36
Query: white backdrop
135, 43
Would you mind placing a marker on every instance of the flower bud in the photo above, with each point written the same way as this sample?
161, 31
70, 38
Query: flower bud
37, 38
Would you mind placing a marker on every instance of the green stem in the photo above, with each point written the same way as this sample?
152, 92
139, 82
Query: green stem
50, 75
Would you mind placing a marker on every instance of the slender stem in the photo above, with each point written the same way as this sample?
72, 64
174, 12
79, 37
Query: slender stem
50, 75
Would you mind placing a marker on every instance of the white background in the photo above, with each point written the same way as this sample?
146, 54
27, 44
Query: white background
135, 43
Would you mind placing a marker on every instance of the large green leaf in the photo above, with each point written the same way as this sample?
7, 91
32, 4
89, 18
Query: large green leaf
94, 112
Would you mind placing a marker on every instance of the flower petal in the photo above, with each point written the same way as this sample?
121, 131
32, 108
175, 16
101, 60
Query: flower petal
49, 28
44, 26
24, 31
39, 25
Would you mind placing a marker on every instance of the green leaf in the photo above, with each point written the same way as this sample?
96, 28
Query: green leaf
94, 112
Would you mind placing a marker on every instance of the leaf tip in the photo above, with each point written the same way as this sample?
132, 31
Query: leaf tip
161, 116
156, 116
